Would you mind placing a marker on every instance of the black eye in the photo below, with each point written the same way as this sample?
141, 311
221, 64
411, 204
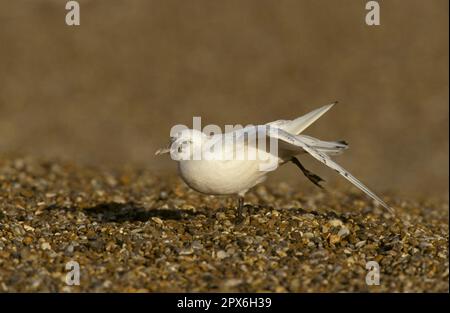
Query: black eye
183, 145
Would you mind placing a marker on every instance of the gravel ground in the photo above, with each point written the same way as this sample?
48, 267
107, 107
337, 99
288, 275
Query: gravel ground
131, 231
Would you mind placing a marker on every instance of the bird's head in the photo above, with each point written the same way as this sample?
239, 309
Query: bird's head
183, 144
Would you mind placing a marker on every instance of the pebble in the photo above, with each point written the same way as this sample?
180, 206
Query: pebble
45, 246
230, 283
334, 239
188, 251
336, 223
128, 227
343, 232
157, 220
222, 254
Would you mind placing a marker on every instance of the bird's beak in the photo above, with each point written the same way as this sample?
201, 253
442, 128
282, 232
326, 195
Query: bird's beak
164, 150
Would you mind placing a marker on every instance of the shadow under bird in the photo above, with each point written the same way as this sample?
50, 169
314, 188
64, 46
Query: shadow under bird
223, 173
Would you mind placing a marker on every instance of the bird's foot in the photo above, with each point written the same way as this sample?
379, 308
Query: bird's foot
315, 179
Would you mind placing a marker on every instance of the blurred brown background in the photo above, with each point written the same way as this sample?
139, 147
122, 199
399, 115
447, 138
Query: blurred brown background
107, 92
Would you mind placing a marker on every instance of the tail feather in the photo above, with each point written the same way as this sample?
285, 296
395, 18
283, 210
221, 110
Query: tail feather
328, 147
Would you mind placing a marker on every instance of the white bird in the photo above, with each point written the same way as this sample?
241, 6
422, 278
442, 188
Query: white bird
224, 173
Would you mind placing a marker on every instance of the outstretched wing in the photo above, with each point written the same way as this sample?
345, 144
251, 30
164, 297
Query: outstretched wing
299, 124
291, 142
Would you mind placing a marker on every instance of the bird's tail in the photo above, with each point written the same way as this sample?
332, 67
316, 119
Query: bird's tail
328, 147
298, 125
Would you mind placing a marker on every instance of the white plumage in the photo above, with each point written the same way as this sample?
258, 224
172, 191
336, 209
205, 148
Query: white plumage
223, 173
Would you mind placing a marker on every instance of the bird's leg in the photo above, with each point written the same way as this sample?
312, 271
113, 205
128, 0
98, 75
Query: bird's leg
240, 207
315, 179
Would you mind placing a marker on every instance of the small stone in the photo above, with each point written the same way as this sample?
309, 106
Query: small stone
344, 232
97, 245
275, 213
91, 235
27, 240
45, 246
69, 249
119, 199
220, 216
157, 220
163, 195
187, 251
334, 239
197, 245
28, 228
294, 284
110, 180
221, 254
233, 282
336, 223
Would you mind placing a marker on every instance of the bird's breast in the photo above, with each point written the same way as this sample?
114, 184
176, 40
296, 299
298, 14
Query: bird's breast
219, 177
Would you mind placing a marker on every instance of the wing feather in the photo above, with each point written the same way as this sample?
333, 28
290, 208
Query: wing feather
297, 141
